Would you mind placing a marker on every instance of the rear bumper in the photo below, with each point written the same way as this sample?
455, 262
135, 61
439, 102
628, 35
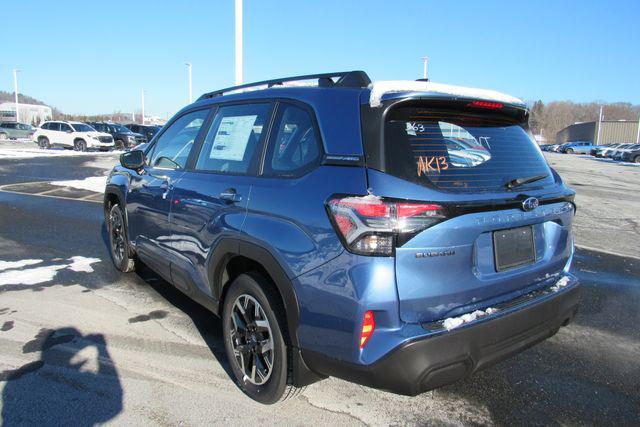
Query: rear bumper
434, 361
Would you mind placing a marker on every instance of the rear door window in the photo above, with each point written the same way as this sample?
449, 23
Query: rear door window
458, 151
234, 142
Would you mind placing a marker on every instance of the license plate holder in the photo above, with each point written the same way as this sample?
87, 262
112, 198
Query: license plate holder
513, 247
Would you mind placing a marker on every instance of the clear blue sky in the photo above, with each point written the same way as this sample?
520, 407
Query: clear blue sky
94, 57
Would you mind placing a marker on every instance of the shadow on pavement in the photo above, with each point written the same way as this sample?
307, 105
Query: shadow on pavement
73, 383
209, 325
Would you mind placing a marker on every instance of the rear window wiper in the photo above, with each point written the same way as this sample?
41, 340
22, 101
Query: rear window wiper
521, 181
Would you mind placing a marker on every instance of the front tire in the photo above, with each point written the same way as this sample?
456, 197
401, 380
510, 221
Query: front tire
118, 241
43, 143
569, 151
256, 339
80, 145
3, 136
636, 159
119, 145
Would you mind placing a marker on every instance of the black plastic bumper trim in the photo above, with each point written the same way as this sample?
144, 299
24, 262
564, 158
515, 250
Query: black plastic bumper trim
435, 361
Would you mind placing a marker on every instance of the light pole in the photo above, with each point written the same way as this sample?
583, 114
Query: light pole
238, 42
599, 126
188, 64
425, 60
15, 90
142, 98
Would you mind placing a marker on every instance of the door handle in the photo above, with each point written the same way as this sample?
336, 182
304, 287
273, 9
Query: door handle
230, 195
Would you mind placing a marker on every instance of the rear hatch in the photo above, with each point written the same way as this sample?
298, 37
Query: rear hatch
478, 161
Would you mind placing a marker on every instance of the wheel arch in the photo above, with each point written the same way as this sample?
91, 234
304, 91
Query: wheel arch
114, 193
233, 257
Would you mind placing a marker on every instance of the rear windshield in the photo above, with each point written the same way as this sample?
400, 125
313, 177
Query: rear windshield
458, 151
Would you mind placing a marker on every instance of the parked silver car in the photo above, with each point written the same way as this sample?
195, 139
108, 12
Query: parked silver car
13, 130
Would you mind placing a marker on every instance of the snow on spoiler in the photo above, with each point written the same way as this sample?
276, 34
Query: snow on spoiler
381, 88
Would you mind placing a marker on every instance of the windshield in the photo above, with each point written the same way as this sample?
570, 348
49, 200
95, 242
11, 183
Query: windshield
461, 152
81, 127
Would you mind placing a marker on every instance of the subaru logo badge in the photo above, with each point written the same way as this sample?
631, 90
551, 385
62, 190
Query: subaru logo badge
530, 204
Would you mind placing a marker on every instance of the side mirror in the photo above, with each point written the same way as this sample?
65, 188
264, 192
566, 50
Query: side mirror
69, 131
133, 159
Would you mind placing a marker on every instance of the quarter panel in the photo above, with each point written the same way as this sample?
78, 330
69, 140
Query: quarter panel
289, 216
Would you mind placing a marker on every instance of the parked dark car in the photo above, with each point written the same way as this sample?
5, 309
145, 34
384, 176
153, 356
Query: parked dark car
148, 131
389, 233
619, 153
613, 151
632, 155
123, 137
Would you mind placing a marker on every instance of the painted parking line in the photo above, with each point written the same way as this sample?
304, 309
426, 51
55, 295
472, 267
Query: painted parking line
46, 189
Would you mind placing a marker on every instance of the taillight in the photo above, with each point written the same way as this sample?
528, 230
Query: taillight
370, 225
368, 326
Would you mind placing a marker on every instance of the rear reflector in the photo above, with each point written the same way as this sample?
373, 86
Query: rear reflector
368, 326
485, 104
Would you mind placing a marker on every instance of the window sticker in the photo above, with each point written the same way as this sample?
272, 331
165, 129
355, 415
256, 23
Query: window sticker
232, 138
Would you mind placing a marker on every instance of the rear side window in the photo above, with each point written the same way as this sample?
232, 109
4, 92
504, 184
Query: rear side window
457, 151
295, 144
172, 149
54, 126
235, 137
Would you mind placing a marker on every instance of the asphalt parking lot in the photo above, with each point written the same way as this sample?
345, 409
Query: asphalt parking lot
83, 344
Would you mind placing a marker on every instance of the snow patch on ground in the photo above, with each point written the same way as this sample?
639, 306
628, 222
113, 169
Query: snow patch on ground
30, 276
381, 88
29, 153
8, 265
13, 272
82, 264
455, 322
94, 183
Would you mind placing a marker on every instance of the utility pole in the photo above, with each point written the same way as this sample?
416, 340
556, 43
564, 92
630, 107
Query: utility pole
15, 90
188, 64
238, 42
142, 93
599, 127
425, 66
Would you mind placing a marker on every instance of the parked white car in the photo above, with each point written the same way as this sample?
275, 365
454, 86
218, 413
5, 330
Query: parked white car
76, 135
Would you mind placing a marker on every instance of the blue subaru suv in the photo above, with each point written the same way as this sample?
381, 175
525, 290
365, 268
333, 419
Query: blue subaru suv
398, 234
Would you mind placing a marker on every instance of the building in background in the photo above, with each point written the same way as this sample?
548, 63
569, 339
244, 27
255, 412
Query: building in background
31, 114
611, 132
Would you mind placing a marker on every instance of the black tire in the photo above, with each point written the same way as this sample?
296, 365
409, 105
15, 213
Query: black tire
43, 143
277, 385
118, 241
569, 151
119, 144
80, 145
3, 136
636, 159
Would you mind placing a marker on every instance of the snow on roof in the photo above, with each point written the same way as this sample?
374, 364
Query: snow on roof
381, 88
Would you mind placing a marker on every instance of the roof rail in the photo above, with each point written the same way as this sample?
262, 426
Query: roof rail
356, 79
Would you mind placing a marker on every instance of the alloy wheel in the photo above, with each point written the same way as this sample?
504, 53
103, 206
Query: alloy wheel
117, 236
251, 340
